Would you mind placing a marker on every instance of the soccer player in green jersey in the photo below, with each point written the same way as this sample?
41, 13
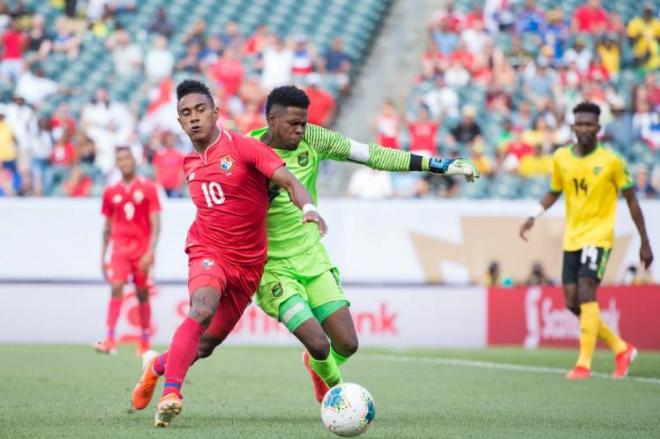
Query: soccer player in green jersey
300, 286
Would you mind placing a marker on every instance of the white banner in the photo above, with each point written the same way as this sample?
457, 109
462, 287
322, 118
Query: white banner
388, 317
393, 241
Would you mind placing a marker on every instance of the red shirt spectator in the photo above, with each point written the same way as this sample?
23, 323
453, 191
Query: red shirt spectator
422, 134
590, 18
168, 164
518, 148
13, 42
387, 126
251, 119
78, 184
228, 72
321, 103
64, 152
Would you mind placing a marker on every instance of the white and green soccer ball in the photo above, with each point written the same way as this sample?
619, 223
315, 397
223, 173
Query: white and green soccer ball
347, 409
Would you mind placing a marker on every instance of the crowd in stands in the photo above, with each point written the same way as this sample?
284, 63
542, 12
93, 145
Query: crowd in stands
498, 84
63, 152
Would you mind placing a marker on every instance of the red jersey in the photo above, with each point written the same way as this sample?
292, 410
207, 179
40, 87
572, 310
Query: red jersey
129, 206
168, 164
422, 137
229, 185
591, 20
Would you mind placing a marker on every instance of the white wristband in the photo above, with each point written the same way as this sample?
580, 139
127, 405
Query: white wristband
309, 208
536, 211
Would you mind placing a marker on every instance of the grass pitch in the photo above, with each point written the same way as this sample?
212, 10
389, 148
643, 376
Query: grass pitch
72, 392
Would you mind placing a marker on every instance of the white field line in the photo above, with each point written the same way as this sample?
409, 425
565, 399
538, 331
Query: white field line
491, 365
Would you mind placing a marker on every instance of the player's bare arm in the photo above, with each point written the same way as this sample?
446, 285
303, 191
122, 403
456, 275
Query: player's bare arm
107, 227
645, 252
546, 202
300, 197
148, 258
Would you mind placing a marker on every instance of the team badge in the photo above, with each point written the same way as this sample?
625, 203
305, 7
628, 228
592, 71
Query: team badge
138, 196
597, 169
208, 263
116, 199
303, 158
226, 163
277, 290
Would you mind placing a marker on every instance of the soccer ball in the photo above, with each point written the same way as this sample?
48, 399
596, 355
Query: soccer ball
347, 409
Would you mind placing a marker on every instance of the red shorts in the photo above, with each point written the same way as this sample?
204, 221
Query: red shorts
237, 285
120, 267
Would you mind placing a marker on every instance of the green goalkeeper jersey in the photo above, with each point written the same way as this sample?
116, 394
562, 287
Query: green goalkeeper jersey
287, 235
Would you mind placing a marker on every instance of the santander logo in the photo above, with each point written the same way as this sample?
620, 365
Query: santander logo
549, 321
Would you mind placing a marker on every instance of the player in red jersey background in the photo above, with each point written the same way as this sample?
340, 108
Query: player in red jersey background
228, 178
132, 222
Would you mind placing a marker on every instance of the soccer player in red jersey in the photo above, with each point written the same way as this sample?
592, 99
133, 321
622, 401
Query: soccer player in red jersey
130, 234
228, 179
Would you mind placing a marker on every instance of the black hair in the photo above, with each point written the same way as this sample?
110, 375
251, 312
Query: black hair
287, 96
120, 148
190, 86
587, 107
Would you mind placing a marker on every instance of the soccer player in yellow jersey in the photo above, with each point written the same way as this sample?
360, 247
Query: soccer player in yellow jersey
590, 176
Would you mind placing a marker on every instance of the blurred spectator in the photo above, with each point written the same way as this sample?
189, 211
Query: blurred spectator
423, 131
538, 164
23, 121
8, 153
517, 147
556, 33
11, 62
277, 64
644, 32
6, 181
444, 37
388, 124
196, 34
481, 160
450, 15
42, 148
475, 38
256, 43
35, 87
610, 54
590, 18
321, 109
620, 129
212, 51
231, 37
467, 130
442, 101
62, 119
159, 62
643, 187
126, 55
168, 165
39, 42
105, 25
456, 75
77, 184
338, 63
538, 276
108, 124
499, 15
161, 24
5, 15
190, 61
95, 8
539, 85
25, 182
539, 134
370, 184
530, 19
250, 119
228, 71
86, 151
65, 39
303, 56
579, 55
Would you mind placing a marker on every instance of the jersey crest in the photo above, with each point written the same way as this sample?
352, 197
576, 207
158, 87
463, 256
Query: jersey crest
597, 169
303, 158
226, 163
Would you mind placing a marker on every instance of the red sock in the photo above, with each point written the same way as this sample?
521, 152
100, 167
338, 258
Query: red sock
144, 309
113, 314
159, 364
182, 352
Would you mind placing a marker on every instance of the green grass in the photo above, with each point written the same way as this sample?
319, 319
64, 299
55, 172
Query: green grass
69, 391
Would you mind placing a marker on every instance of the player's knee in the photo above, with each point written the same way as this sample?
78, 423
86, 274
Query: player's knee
319, 348
207, 346
347, 347
204, 304
117, 291
142, 295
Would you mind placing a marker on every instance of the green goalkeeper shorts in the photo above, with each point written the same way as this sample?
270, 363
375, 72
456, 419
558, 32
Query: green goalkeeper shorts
310, 275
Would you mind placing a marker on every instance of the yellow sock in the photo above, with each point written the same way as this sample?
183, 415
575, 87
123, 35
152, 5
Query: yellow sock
616, 344
589, 321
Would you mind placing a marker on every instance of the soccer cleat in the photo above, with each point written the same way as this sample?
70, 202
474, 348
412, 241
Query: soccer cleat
623, 360
578, 373
169, 407
106, 346
320, 387
144, 389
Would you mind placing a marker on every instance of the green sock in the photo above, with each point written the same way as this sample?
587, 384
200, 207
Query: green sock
327, 369
340, 359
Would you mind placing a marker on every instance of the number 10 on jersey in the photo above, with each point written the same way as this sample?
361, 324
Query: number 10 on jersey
213, 193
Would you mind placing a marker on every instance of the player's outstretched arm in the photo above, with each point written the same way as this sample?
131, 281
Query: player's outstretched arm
645, 252
546, 202
300, 197
335, 146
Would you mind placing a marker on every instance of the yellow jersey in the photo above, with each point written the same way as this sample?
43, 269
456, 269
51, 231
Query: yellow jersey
590, 185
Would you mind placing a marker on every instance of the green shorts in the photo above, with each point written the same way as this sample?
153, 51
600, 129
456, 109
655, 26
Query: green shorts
310, 275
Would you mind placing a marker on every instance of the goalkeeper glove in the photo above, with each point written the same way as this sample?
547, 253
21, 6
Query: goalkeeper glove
458, 166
